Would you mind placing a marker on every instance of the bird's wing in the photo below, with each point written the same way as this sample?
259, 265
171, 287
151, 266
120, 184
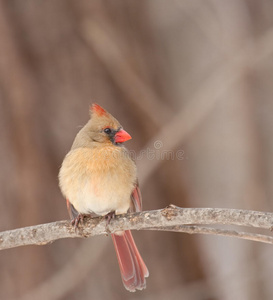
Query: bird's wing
73, 213
136, 199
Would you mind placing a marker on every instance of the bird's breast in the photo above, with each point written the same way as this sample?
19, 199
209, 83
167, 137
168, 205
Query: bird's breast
98, 180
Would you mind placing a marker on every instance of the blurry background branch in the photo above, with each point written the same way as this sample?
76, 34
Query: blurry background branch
171, 218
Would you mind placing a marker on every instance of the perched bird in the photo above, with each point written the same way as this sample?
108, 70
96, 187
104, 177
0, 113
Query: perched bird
98, 177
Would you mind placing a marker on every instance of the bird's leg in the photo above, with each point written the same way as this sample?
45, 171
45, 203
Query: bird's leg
77, 220
111, 215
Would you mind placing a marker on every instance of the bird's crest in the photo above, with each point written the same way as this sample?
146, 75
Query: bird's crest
101, 118
98, 110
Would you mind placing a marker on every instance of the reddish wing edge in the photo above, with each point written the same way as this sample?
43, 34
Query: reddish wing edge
69, 208
73, 213
136, 199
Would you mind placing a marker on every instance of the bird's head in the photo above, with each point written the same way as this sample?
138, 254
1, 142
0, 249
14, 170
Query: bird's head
101, 128
106, 127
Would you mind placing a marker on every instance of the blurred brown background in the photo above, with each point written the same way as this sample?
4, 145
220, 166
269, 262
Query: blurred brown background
188, 76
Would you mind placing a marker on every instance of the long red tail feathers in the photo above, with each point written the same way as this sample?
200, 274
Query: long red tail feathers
132, 267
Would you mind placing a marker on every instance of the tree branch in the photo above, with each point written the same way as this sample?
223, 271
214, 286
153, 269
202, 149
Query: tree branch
171, 218
191, 229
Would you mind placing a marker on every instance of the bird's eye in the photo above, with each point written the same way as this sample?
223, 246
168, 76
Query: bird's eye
107, 130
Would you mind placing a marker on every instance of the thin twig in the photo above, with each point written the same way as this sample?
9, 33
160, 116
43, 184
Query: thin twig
161, 219
194, 229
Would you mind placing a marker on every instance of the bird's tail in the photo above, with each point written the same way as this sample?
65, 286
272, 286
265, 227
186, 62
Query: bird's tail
132, 267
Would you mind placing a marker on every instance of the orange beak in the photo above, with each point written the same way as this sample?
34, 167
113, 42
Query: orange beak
122, 136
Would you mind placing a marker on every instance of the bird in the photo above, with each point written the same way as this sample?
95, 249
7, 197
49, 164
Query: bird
98, 177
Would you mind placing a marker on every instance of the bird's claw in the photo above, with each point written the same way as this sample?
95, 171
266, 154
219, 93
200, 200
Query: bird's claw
75, 222
111, 215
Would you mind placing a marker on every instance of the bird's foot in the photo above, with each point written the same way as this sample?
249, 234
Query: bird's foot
111, 215
77, 220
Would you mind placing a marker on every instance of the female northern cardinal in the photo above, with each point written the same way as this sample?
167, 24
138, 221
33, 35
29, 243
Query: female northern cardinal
98, 177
